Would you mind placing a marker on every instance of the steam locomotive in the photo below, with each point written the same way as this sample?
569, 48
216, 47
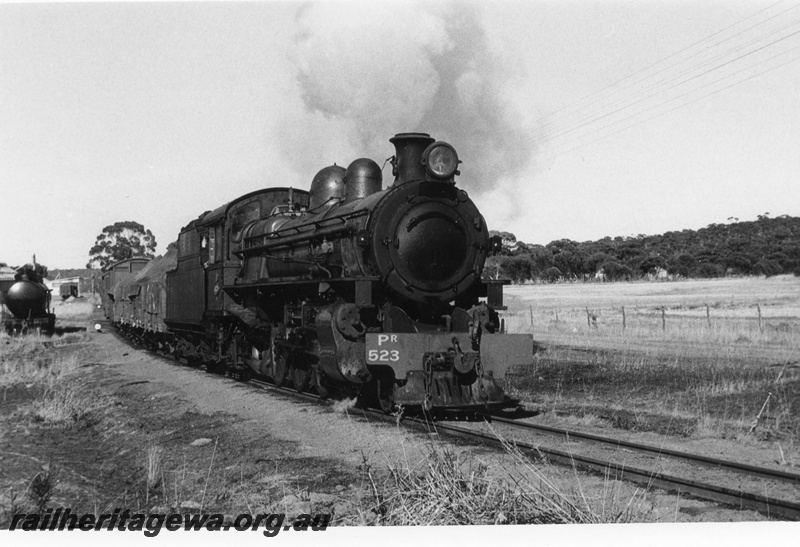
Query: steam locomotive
346, 287
27, 300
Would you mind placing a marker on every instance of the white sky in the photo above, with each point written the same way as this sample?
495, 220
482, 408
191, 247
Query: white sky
158, 112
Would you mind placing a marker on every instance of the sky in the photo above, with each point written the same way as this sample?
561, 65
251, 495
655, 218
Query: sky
577, 120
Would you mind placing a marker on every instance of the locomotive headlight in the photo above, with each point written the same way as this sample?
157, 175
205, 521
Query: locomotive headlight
440, 160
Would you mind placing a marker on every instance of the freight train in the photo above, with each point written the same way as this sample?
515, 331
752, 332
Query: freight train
348, 286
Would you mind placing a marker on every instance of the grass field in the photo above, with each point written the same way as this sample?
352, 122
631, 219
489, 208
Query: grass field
690, 358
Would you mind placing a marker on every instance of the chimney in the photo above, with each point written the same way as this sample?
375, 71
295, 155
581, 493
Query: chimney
408, 157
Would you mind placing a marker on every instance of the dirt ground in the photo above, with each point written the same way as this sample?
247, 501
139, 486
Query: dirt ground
217, 445
159, 436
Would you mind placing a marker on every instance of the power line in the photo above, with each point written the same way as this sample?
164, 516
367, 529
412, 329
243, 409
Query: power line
689, 79
707, 38
588, 118
562, 152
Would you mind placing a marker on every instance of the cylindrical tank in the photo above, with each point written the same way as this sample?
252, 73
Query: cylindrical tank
363, 178
327, 185
27, 299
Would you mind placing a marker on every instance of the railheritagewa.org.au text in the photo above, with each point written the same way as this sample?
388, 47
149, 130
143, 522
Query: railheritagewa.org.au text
270, 524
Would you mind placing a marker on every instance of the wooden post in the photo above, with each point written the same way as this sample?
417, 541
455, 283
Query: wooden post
623, 318
708, 315
531, 310
663, 318
760, 327
588, 321
757, 419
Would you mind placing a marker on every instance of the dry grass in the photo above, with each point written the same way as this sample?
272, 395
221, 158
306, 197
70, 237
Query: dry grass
723, 335
65, 406
708, 359
682, 396
448, 489
711, 312
35, 367
76, 309
29, 496
34, 363
155, 456
343, 406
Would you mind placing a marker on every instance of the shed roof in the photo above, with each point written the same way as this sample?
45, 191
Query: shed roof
6, 272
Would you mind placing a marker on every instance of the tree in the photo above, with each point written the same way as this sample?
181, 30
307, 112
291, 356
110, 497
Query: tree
650, 265
120, 241
768, 267
542, 258
595, 261
33, 270
518, 268
565, 257
707, 270
738, 263
682, 264
551, 274
616, 270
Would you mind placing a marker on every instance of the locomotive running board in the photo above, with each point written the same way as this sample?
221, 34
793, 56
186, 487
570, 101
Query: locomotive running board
280, 281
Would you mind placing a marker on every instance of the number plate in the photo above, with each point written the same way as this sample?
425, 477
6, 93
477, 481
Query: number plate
383, 349
405, 351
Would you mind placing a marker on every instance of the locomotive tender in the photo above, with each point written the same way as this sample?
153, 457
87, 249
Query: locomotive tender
346, 286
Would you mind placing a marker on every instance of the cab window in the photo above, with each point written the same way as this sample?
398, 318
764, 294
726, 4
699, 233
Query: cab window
212, 246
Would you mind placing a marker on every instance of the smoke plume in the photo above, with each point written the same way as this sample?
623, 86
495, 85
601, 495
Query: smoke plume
368, 71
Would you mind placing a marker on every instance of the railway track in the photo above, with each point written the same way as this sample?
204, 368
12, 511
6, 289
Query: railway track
696, 459
770, 506
649, 476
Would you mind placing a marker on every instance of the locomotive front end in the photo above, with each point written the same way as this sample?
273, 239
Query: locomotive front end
429, 239
441, 344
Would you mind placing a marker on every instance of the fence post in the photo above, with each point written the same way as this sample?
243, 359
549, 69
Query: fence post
708, 315
531, 310
760, 327
663, 318
623, 318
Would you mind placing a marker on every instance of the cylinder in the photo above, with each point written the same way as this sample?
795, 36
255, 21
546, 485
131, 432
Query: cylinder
27, 299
